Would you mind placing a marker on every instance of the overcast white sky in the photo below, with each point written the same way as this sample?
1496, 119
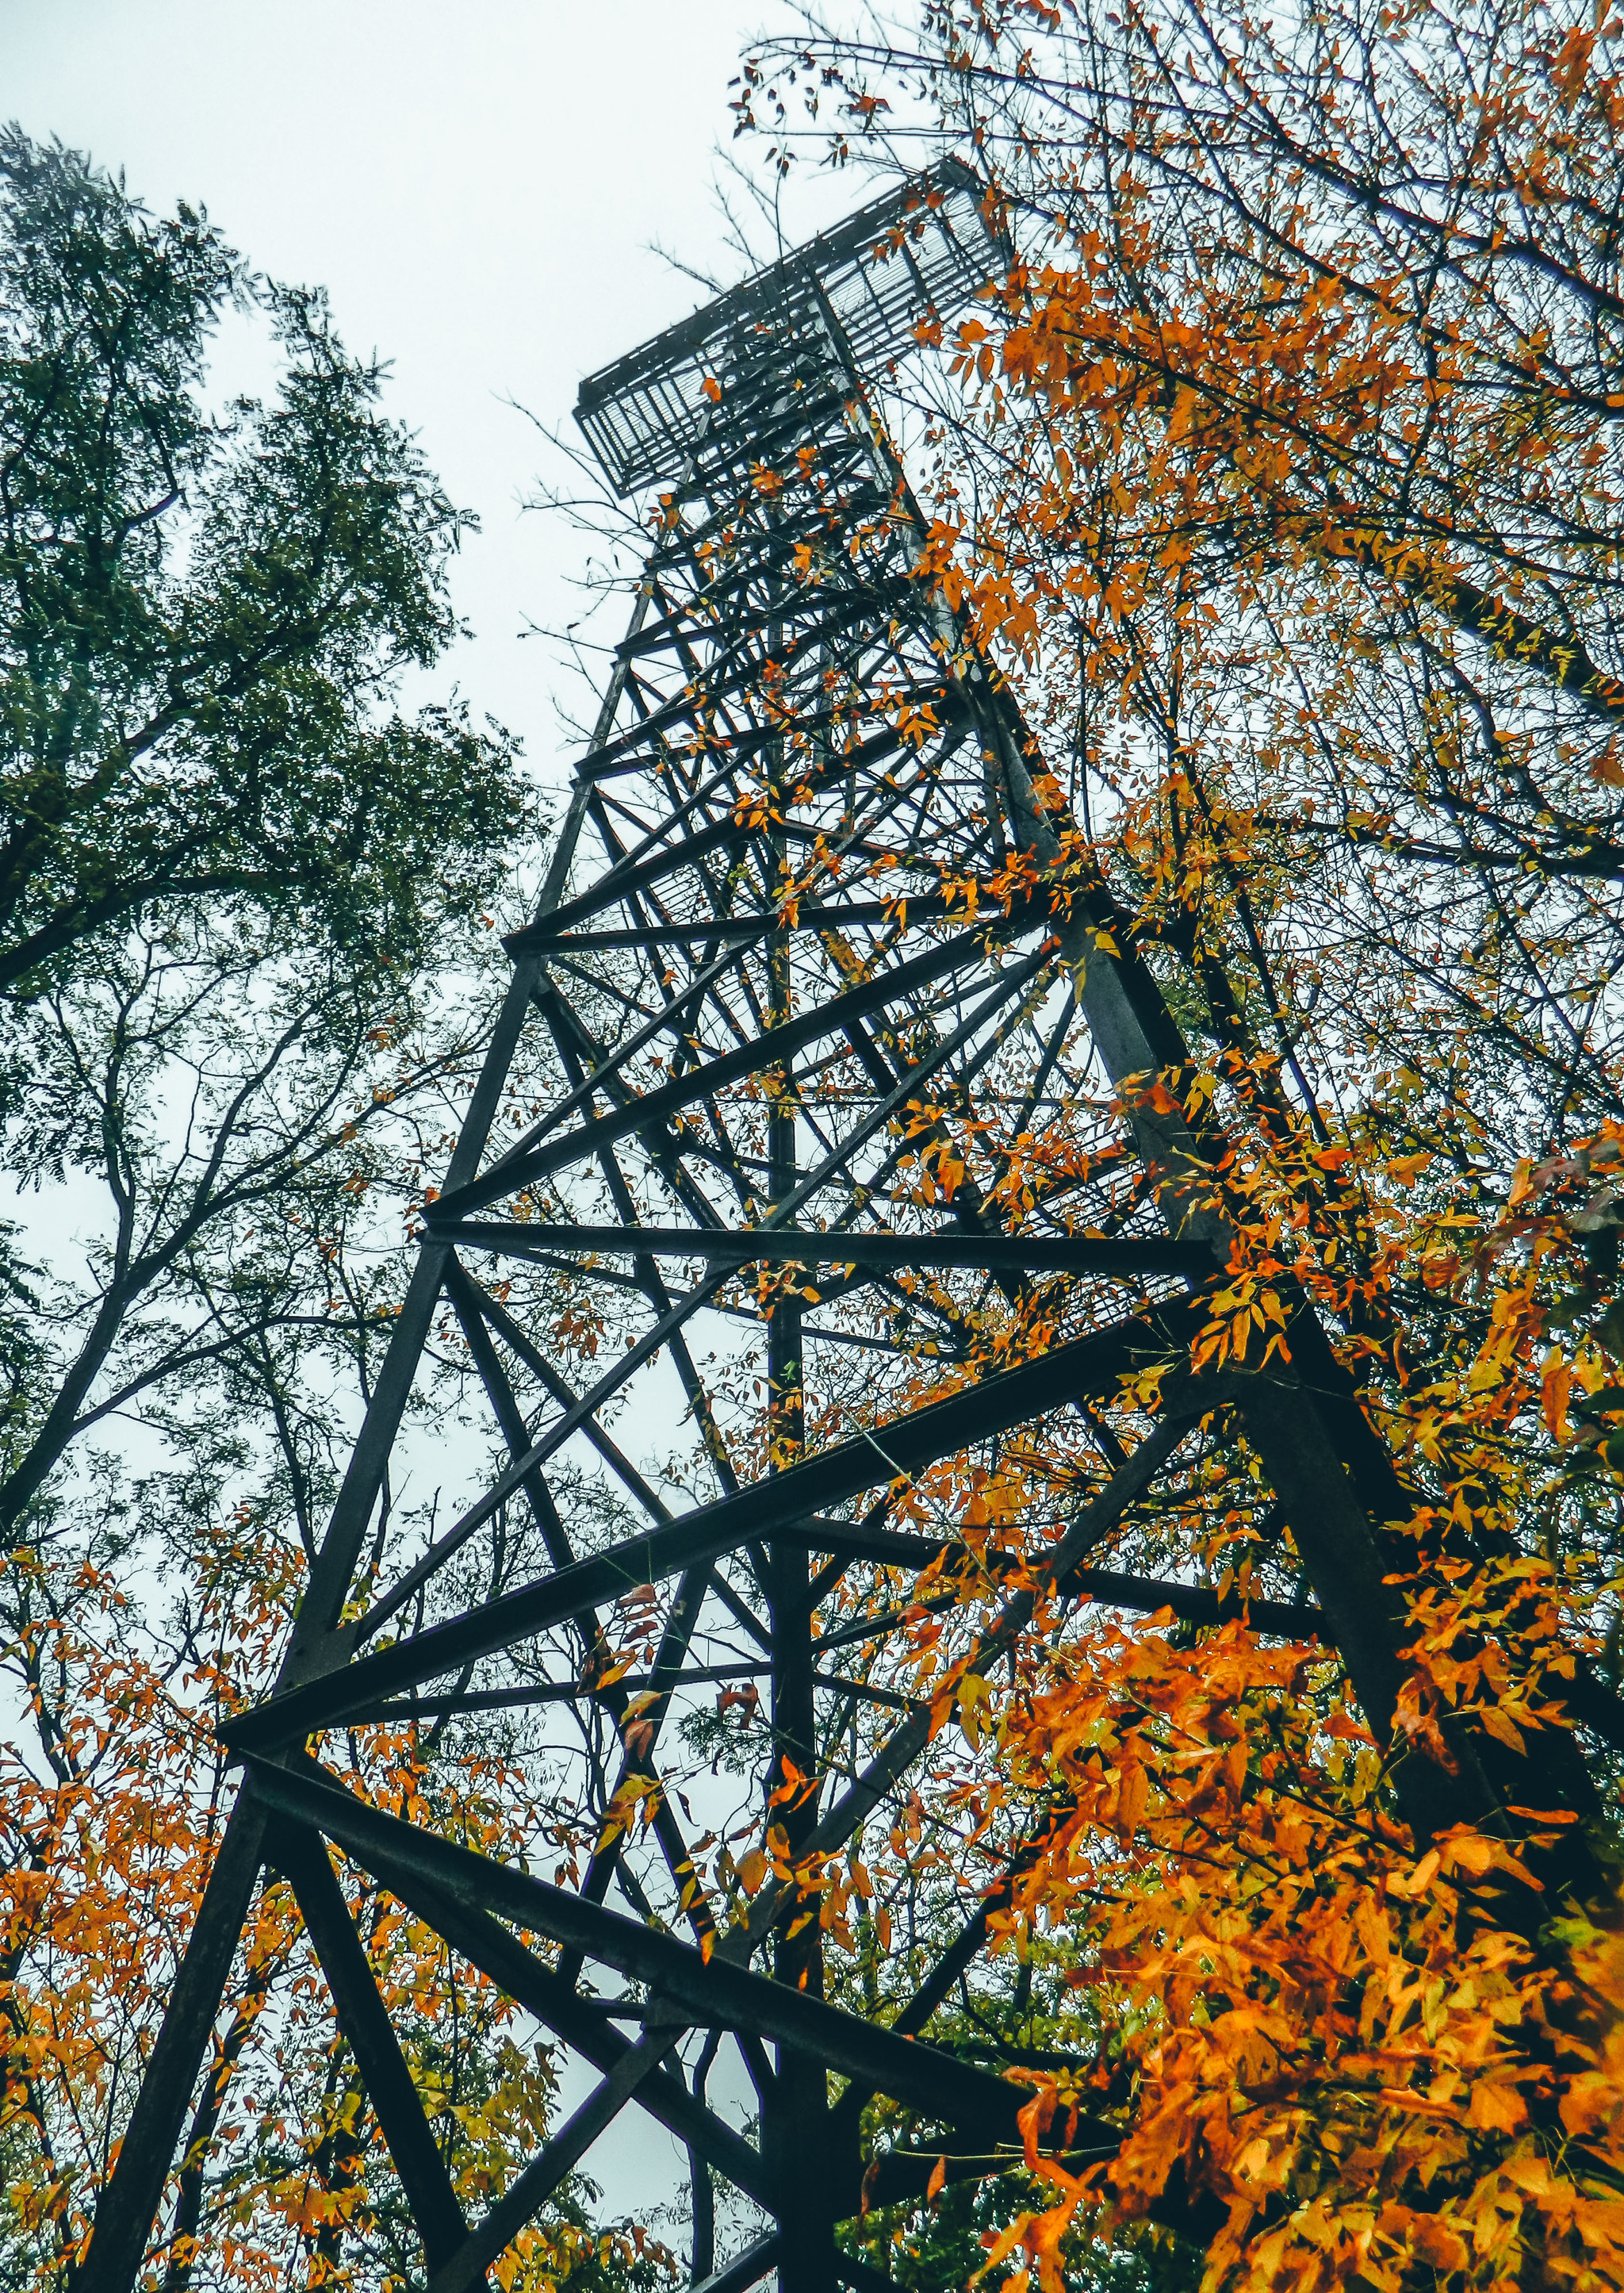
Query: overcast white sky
476, 185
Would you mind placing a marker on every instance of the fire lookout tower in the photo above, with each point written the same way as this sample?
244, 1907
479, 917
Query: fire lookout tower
772, 1036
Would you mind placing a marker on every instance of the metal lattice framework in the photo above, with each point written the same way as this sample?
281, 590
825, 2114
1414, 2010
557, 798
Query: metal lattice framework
772, 987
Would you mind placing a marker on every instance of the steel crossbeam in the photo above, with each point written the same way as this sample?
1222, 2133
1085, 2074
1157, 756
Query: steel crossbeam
769, 991
891, 1451
790, 1246
713, 1992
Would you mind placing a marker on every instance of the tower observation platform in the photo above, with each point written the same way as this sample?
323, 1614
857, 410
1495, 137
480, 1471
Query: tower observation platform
917, 254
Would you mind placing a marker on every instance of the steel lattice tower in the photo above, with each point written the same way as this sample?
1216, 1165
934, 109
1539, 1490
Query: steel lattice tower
759, 1022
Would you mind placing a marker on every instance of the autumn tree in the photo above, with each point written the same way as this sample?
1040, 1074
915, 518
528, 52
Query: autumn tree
1281, 477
